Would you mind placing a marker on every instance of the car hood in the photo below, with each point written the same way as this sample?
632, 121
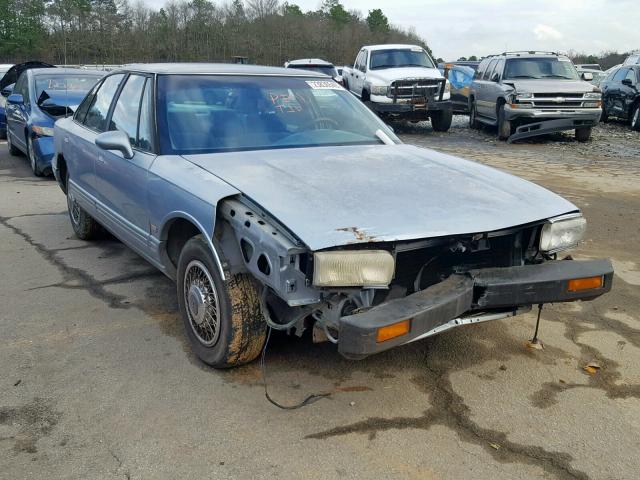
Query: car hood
550, 86
330, 196
388, 75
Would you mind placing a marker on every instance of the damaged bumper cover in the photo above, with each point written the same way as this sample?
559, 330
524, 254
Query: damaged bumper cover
458, 300
418, 109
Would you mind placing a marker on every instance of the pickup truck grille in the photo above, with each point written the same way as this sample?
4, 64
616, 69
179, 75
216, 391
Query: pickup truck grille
558, 101
416, 88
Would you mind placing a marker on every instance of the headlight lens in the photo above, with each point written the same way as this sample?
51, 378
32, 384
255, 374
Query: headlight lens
43, 131
593, 95
562, 233
447, 86
524, 96
379, 90
349, 268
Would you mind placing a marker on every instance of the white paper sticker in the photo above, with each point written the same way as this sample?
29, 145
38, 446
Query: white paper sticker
324, 85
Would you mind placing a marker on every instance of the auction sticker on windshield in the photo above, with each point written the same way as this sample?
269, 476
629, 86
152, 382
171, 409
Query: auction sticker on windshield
324, 85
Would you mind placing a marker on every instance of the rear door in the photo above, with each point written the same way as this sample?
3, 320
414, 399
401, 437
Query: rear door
121, 183
615, 92
485, 101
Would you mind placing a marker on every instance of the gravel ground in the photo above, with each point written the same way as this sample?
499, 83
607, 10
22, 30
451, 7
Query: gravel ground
97, 380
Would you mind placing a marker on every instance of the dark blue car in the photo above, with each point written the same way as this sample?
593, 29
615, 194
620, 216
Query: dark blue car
3, 122
39, 98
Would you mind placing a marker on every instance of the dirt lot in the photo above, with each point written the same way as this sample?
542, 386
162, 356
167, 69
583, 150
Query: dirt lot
97, 380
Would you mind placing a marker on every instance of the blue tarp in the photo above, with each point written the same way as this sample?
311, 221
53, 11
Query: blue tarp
461, 76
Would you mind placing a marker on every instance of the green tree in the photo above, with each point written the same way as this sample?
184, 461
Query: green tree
378, 21
291, 9
473, 58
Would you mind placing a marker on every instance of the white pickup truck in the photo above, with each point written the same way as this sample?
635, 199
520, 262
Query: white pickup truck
400, 82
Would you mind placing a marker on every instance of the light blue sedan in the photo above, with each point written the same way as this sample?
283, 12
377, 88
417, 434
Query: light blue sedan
275, 199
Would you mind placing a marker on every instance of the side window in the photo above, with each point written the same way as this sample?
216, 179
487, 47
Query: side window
96, 118
487, 73
81, 111
631, 75
481, 69
496, 75
125, 113
145, 126
620, 74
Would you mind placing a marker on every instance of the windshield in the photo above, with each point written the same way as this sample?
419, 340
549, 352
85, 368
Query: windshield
326, 69
548, 67
202, 114
78, 84
400, 57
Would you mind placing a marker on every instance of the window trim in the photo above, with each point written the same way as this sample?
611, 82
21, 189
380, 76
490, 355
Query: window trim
486, 76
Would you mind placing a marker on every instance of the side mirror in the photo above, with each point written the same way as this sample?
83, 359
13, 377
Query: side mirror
115, 140
6, 91
628, 82
588, 76
15, 99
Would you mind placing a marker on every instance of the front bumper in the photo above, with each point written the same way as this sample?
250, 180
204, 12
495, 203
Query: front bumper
496, 292
408, 109
44, 150
515, 113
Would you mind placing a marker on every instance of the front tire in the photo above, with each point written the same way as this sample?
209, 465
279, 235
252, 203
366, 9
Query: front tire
635, 117
441, 120
473, 117
222, 318
504, 125
33, 159
583, 134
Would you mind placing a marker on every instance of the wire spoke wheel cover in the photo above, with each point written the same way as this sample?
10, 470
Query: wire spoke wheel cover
32, 154
74, 209
201, 302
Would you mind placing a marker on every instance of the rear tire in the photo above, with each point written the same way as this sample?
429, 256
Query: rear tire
222, 318
441, 120
583, 134
635, 117
12, 149
83, 224
504, 125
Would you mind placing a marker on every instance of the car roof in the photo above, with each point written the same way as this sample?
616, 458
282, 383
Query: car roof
310, 61
390, 46
213, 69
65, 71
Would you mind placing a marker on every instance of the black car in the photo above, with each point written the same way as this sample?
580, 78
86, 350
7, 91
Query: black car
621, 95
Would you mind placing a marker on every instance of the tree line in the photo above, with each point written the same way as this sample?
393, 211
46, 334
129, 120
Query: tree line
118, 31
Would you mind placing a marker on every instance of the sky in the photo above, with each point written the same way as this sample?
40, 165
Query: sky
455, 28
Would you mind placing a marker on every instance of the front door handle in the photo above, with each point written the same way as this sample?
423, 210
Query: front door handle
101, 159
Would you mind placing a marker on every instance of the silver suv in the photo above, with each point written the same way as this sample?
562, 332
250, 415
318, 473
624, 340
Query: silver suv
526, 94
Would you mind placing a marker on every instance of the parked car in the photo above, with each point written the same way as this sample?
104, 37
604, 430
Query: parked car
594, 77
526, 94
633, 59
40, 97
3, 98
589, 66
621, 95
401, 82
316, 65
228, 178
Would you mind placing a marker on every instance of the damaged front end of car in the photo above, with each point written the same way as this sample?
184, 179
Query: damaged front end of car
369, 296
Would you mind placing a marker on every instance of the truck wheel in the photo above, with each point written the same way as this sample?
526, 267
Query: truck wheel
83, 224
12, 149
441, 120
635, 117
222, 318
473, 117
504, 125
583, 134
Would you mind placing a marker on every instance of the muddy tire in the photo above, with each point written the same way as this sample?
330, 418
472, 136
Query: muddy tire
473, 116
635, 117
583, 134
441, 120
604, 118
83, 224
222, 318
12, 148
504, 125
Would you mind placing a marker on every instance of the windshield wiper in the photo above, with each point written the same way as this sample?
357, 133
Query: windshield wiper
557, 76
523, 76
383, 66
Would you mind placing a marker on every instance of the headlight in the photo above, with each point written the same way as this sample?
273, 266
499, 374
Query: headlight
42, 131
524, 96
593, 95
379, 90
562, 233
349, 268
447, 86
